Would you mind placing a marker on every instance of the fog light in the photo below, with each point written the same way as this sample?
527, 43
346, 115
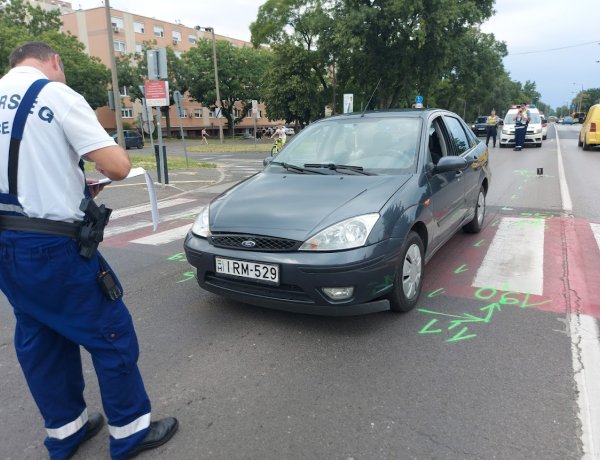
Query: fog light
338, 293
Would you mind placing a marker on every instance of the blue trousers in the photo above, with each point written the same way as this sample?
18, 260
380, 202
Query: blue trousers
520, 132
59, 307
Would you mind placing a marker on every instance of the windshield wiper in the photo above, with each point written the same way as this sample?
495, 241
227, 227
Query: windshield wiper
291, 167
334, 167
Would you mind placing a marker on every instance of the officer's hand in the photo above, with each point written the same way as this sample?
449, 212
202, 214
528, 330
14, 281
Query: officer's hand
94, 186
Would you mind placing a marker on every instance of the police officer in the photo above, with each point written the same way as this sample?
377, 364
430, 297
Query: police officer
521, 122
491, 128
58, 302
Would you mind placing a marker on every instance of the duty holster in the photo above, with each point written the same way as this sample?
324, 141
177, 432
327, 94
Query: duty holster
92, 229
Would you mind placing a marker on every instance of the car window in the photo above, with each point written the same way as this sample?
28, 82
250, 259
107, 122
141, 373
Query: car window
457, 134
437, 147
386, 145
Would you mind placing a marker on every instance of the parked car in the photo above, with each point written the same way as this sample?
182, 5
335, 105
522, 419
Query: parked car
344, 218
589, 136
534, 134
567, 120
289, 131
132, 139
479, 126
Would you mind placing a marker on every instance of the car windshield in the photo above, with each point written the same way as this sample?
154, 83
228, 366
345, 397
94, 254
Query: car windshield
481, 120
533, 118
377, 145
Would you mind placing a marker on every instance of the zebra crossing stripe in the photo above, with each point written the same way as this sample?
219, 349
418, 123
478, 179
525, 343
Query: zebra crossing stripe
515, 258
596, 232
168, 236
125, 212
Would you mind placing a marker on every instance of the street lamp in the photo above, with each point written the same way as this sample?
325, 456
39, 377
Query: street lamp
214, 47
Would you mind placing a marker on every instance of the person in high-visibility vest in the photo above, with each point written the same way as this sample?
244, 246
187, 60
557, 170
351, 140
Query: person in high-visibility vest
491, 128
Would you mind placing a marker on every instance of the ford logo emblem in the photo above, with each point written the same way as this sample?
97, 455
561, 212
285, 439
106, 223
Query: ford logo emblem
248, 244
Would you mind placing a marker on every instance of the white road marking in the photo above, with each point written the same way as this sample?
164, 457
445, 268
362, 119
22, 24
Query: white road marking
165, 237
112, 230
585, 347
515, 258
146, 208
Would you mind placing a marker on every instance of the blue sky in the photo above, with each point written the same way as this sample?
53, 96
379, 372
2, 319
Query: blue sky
555, 43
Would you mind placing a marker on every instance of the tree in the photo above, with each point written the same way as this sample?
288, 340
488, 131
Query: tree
20, 22
240, 72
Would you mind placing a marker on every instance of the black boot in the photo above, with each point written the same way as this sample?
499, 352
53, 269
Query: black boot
158, 434
94, 425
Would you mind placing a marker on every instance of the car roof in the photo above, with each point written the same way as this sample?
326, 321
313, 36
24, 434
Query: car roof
392, 113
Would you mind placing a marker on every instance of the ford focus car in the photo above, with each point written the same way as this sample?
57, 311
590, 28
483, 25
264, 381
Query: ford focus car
344, 218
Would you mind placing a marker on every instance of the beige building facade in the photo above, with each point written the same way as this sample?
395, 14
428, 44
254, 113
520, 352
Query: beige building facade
129, 32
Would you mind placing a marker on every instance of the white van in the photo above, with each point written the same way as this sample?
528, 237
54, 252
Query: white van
534, 134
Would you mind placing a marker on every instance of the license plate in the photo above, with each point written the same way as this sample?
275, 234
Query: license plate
268, 273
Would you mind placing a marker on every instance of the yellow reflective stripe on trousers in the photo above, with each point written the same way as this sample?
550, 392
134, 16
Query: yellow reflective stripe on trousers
139, 424
70, 428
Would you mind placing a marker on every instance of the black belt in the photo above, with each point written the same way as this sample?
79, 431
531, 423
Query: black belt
36, 225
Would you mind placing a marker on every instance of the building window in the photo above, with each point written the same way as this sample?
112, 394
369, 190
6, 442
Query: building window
250, 114
138, 27
126, 112
192, 39
176, 35
139, 48
159, 31
237, 113
117, 24
197, 113
184, 113
120, 46
124, 92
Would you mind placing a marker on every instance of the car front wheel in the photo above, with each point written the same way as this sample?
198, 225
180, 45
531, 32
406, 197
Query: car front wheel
476, 224
409, 276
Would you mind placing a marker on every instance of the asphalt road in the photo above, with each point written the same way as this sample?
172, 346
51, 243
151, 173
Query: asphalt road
251, 383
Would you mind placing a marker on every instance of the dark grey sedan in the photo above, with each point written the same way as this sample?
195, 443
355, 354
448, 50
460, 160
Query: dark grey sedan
344, 218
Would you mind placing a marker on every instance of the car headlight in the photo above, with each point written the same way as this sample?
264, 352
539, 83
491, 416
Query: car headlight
348, 234
200, 227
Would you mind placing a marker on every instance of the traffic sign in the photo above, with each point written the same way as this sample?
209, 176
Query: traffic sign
157, 93
419, 99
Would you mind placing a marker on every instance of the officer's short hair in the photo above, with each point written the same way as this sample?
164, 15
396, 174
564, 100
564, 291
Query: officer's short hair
36, 50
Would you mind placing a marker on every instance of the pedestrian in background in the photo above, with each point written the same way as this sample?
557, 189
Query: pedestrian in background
204, 136
491, 128
521, 122
64, 298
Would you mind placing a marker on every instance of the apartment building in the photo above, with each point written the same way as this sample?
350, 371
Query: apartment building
130, 31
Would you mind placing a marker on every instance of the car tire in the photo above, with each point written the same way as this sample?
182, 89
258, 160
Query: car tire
579, 142
476, 224
586, 146
409, 276
140, 146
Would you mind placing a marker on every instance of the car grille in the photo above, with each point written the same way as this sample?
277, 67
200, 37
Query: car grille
254, 243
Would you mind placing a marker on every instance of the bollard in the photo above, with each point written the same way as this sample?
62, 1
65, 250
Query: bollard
158, 169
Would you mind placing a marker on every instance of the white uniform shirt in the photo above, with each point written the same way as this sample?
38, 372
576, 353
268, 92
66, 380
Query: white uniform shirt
60, 128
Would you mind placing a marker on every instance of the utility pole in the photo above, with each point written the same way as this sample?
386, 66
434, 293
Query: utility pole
113, 71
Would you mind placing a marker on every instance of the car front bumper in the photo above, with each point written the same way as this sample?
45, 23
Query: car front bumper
370, 270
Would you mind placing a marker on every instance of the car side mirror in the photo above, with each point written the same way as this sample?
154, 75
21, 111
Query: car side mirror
450, 163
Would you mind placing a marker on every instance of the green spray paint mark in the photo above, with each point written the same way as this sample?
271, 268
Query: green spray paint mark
180, 256
461, 269
438, 313
526, 303
461, 336
435, 293
479, 243
427, 330
187, 276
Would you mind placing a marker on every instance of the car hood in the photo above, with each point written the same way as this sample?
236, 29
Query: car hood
295, 206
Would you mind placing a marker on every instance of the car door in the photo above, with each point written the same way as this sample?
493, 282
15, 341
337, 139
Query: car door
470, 148
447, 189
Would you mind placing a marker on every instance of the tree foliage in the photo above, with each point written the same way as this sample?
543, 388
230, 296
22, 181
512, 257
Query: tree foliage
21, 22
240, 72
405, 48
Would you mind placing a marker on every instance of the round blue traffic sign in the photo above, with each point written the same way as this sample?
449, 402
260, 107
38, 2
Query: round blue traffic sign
419, 99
